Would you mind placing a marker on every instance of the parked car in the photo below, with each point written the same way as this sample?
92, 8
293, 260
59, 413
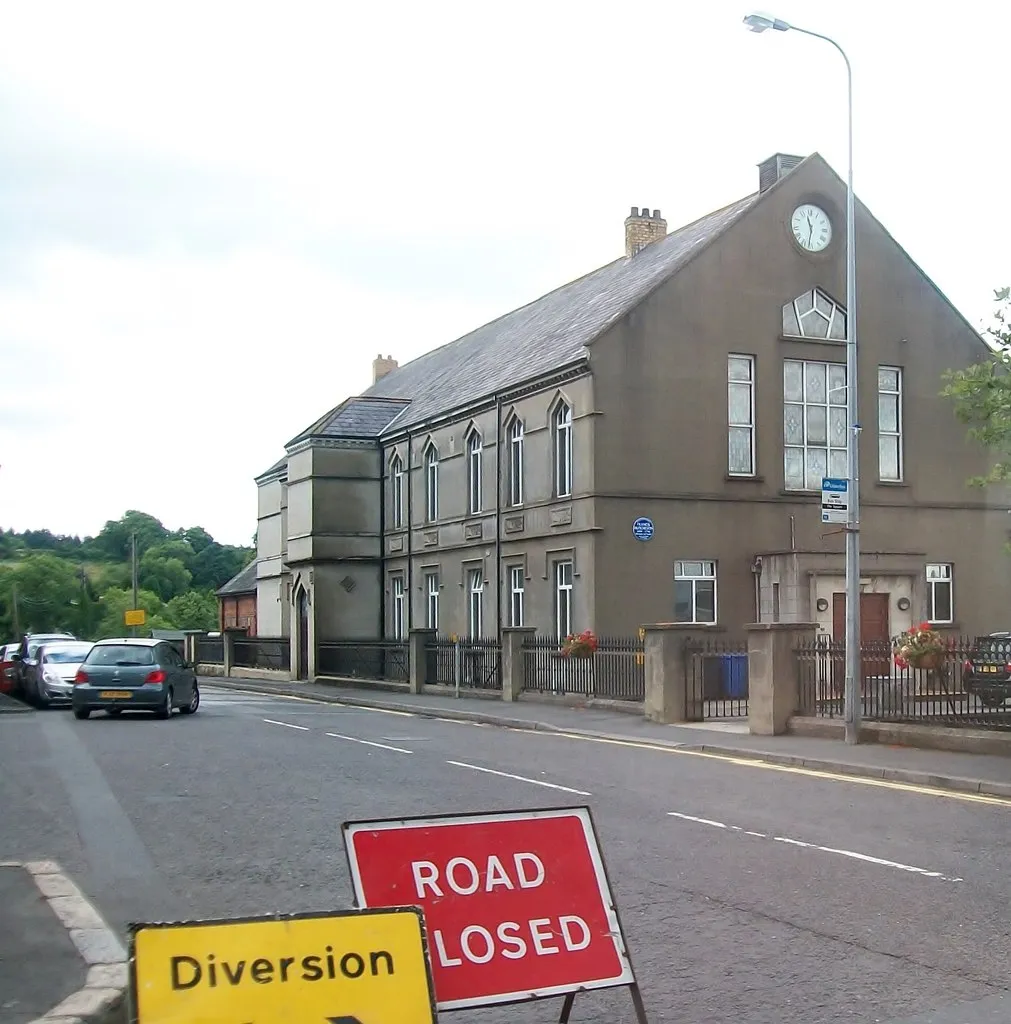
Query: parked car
987, 671
50, 678
8, 668
132, 674
27, 653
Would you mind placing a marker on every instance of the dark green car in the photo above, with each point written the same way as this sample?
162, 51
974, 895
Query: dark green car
135, 675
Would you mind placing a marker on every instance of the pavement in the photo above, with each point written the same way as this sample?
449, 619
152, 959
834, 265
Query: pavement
59, 962
749, 891
974, 773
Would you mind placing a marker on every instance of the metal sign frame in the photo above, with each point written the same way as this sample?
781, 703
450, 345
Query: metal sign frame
134, 927
524, 814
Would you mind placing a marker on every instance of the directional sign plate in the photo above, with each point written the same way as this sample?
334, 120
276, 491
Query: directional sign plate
355, 967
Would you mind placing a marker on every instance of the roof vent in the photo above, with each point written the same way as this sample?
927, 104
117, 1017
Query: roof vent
777, 166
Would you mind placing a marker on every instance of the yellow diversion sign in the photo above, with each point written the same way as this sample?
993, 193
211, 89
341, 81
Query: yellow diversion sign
364, 966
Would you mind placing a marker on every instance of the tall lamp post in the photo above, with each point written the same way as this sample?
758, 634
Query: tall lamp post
760, 23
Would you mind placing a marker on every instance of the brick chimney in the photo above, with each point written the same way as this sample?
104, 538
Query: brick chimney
381, 367
642, 228
777, 166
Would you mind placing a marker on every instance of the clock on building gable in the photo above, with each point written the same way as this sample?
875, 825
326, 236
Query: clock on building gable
812, 227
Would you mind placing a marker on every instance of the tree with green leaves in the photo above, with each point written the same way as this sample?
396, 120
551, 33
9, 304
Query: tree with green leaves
196, 609
115, 603
981, 394
165, 576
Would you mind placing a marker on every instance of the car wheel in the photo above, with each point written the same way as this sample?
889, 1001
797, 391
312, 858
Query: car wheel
165, 711
82, 713
194, 703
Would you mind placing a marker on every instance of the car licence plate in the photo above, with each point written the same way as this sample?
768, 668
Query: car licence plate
116, 694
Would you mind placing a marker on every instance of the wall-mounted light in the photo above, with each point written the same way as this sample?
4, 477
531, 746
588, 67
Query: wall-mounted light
822, 604
903, 604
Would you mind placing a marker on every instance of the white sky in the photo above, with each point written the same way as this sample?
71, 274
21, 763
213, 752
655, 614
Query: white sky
214, 214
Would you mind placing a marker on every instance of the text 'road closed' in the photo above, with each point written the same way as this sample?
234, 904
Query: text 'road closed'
516, 904
369, 965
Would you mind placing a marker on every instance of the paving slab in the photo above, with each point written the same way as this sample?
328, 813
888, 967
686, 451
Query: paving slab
39, 963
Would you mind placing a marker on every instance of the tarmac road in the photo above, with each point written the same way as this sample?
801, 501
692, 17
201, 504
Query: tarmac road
748, 893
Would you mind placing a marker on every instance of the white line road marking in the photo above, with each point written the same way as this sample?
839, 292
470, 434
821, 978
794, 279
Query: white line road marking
287, 725
369, 743
518, 778
852, 854
388, 711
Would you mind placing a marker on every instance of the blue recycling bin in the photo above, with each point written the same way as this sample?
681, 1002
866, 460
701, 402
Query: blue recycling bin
735, 676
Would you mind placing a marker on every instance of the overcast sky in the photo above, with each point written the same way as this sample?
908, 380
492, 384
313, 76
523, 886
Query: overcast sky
214, 215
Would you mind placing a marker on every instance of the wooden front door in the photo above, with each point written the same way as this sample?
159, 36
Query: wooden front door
303, 635
873, 631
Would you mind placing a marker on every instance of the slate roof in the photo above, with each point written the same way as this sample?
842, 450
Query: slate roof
547, 334
242, 583
355, 417
281, 463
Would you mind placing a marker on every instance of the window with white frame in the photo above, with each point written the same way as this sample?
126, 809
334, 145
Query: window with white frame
563, 599
814, 315
562, 431
695, 592
814, 423
940, 599
399, 608
516, 587
475, 476
890, 423
516, 462
741, 415
432, 600
397, 491
475, 603
431, 484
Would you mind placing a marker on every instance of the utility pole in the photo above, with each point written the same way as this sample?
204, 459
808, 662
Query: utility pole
133, 561
17, 618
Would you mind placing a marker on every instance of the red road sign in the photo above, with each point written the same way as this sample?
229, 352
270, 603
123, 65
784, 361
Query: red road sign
517, 904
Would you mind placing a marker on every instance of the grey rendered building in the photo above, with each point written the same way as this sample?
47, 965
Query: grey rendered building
698, 382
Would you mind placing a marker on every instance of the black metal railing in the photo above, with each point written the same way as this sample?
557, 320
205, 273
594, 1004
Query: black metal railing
615, 671
364, 659
210, 650
478, 661
716, 678
968, 684
261, 652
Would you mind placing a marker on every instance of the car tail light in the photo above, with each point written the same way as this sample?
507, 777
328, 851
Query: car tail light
157, 676
81, 677
967, 665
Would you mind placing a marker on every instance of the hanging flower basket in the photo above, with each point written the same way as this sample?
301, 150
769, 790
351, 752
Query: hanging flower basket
920, 647
579, 645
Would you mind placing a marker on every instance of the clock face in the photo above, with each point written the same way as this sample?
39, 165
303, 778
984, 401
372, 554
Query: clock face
811, 227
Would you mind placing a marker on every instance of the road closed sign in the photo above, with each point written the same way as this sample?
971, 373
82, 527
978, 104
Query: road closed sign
368, 967
517, 904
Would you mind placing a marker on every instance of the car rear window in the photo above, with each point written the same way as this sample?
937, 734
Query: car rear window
994, 645
120, 654
66, 655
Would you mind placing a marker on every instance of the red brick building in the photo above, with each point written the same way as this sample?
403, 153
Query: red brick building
237, 601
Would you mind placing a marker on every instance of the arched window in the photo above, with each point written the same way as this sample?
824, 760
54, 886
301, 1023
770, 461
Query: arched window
515, 462
475, 476
431, 483
397, 491
562, 431
814, 315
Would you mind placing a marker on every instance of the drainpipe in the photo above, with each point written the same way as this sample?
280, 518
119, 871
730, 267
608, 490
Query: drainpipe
382, 543
410, 531
498, 519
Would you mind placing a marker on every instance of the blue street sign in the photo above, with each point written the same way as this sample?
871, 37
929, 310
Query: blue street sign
642, 529
835, 500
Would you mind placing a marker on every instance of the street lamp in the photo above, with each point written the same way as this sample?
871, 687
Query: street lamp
760, 23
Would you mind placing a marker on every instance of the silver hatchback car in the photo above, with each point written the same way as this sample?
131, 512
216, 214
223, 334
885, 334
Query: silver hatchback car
50, 678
